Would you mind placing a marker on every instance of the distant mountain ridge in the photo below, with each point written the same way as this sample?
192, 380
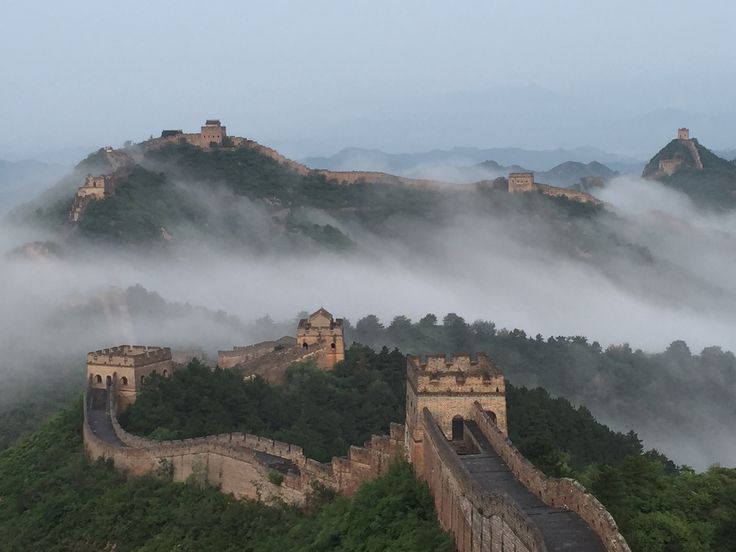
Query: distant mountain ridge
406, 164
564, 175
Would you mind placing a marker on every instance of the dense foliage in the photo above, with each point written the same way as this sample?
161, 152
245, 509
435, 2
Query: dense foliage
561, 438
49, 489
327, 411
53, 499
616, 383
659, 511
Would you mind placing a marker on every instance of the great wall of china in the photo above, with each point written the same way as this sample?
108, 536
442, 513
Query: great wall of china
668, 167
214, 134
486, 494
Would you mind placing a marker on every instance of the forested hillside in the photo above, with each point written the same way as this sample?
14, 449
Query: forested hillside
80, 506
55, 500
243, 198
673, 397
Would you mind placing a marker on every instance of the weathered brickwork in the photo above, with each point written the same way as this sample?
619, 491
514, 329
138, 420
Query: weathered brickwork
240, 463
239, 355
128, 366
478, 520
321, 330
557, 493
449, 388
319, 338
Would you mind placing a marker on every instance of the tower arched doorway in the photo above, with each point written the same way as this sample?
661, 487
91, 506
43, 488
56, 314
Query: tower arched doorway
458, 428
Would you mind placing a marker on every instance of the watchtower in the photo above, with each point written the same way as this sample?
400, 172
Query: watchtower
449, 388
521, 182
127, 366
324, 332
212, 131
683, 133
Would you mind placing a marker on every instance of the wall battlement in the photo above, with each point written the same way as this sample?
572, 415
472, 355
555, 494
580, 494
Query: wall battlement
460, 362
241, 463
129, 355
476, 518
557, 493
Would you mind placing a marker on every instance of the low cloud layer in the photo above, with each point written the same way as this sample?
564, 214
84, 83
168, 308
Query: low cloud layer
513, 271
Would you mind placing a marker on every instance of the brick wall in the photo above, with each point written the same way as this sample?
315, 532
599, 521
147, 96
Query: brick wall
558, 493
478, 520
231, 461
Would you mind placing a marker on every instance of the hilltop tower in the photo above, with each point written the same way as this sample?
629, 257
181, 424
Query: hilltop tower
212, 131
321, 330
127, 366
521, 182
449, 388
683, 133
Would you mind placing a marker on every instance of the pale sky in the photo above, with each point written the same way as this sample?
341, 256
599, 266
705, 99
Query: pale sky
400, 75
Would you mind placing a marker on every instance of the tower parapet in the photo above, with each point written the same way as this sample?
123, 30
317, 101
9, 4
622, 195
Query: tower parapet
683, 133
321, 330
449, 388
127, 366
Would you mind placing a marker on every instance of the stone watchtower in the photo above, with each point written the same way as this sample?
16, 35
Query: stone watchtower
449, 388
521, 182
683, 133
321, 331
212, 131
127, 366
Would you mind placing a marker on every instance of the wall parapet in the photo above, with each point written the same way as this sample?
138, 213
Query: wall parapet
240, 462
478, 519
557, 493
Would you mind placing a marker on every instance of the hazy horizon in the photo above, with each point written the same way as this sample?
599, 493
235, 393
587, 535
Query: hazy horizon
400, 77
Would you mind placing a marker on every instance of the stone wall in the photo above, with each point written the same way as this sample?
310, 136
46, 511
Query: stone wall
668, 167
557, 493
273, 366
241, 464
478, 520
554, 191
239, 355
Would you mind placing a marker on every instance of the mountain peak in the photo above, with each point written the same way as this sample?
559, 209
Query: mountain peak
688, 166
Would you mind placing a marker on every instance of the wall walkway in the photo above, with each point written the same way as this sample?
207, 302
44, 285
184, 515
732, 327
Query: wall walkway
237, 463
